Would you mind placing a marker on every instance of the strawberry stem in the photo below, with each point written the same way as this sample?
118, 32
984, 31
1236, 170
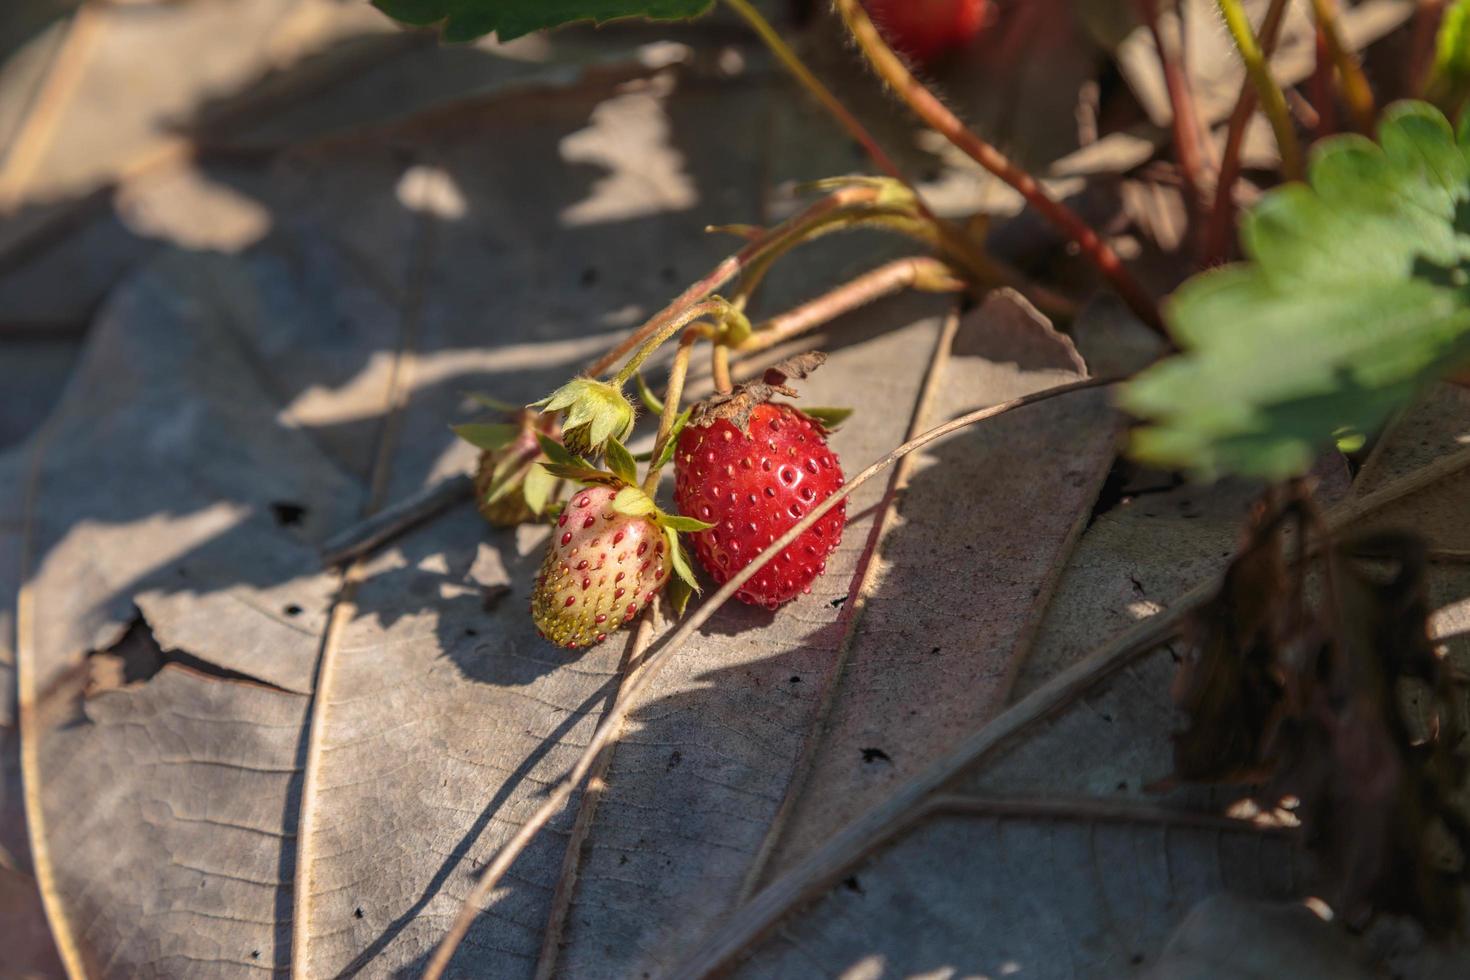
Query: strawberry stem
720, 369
675, 392
920, 272
1273, 102
1188, 147
710, 307
731, 266
927, 106
1356, 91
1216, 238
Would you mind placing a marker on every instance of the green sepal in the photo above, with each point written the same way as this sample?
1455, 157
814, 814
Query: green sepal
582, 474
677, 596
492, 403
645, 394
558, 453
676, 558
632, 502
620, 461
595, 412
489, 436
678, 522
830, 418
673, 440
538, 485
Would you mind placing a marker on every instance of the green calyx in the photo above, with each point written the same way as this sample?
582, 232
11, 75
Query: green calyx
593, 412
630, 499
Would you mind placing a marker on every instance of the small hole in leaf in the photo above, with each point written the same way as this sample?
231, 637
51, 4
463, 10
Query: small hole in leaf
875, 755
589, 276
292, 610
357, 912
287, 513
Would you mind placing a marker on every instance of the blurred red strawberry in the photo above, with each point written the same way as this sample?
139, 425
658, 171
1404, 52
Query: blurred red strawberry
925, 30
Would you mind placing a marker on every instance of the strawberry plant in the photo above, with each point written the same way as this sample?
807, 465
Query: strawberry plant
1350, 295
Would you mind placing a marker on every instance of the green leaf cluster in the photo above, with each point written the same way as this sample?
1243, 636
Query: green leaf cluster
1356, 293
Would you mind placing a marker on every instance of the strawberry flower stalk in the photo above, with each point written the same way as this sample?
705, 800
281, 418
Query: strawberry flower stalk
611, 552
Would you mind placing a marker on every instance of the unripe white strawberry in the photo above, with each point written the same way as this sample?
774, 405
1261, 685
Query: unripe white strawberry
602, 568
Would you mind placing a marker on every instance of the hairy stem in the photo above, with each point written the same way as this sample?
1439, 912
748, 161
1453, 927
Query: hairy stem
927, 106
653, 662
1273, 102
720, 369
730, 267
1216, 238
793, 63
666, 418
710, 307
1188, 147
1356, 91
928, 274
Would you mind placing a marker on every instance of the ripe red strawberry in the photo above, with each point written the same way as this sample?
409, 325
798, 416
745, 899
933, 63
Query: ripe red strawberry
602, 568
753, 486
927, 29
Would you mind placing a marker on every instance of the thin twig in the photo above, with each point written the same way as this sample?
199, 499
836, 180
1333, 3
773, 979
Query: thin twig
391, 522
613, 719
1222, 214
1356, 91
1273, 102
929, 274
927, 106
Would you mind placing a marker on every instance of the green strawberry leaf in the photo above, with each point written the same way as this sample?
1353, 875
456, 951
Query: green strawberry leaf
539, 486
487, 435
652, 402
682, 570
1356, 294
678, 522
466, 20
830, 418
620, 461
632, 502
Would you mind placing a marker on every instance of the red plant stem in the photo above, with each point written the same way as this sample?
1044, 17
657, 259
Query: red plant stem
1356, 91
1187, 143
1216, 239
1324, 93
927, 106
1427, 17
